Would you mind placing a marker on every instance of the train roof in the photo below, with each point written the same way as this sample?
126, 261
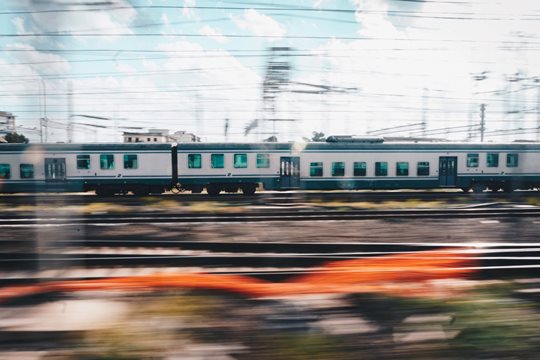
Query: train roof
86, 147
291, 146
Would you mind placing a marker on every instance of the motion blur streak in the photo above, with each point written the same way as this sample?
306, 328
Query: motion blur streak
406, 275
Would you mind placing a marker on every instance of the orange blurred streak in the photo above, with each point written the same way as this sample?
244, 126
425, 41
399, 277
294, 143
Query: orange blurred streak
396, 275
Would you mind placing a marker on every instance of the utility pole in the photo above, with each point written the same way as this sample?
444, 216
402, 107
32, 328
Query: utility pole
477, 78
424, 110
226, 132
70, 113
43, 121
482, 121
537, 81
198, 113
275, 81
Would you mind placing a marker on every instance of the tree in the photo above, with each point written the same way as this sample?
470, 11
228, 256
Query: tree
318, 136
272, 138
16, 138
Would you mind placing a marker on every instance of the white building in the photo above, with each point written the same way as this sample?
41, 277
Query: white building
7, 123
160, 136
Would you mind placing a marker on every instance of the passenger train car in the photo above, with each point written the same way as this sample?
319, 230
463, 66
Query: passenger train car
340, 163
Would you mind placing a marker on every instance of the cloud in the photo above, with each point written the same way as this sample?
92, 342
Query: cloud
372, 15
213, 33
41, 62
187, 11
18, 22
215, 78
113, 22
260, 24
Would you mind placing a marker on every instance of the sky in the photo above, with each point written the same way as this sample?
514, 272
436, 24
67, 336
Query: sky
363, 67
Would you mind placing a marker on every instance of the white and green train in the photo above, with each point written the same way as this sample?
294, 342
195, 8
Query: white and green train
340, 163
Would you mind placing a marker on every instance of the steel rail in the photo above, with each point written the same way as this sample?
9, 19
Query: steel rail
266, 216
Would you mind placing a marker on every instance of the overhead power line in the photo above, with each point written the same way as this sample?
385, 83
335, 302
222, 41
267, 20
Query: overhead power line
280, 7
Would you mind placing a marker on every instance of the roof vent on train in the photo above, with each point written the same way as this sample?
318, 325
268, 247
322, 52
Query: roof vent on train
354, 139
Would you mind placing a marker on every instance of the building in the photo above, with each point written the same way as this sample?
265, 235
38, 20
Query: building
7, 123
159, 136
182, 136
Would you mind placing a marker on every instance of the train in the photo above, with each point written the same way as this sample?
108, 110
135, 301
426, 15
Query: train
340, 163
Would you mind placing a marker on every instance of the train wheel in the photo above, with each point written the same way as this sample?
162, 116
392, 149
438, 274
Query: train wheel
141, 191
177, 189
478, 188
105, 191
213, 190
196, 189
249, 189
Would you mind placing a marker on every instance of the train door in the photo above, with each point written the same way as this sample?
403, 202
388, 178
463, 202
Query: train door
289, 172
55, 169
447, 171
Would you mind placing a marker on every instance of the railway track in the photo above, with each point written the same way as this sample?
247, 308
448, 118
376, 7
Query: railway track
269, 197
269, 215
271, 261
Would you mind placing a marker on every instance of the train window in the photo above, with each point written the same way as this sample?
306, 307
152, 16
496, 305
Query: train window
106, 161
512, 160
217, 161
316, 169
472, 160
27, 171
360, 168
381, 168
402, 169
338, 168
130, 161
194, 161
240, 161
83, 162
492, 160
422, 168
263, 160
5, 171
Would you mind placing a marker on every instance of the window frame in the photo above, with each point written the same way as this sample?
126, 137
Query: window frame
316, 169
5, 166
470, 157
491, 156
418, 168
86, 158
239, 165
136, 161
102, 157
512, 155
192, 161
215, 156
21, 172
263, 161
400, 172
379, 167
359, 171
338, 168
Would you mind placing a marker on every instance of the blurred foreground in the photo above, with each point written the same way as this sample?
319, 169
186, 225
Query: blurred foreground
421, 305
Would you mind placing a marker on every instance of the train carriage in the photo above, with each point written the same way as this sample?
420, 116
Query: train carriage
340, 164
401, 165
105, 168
